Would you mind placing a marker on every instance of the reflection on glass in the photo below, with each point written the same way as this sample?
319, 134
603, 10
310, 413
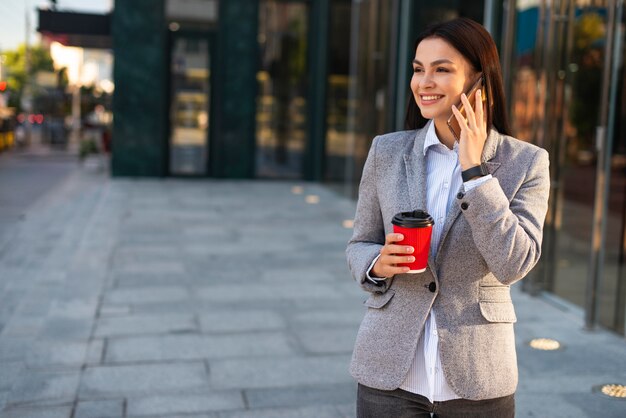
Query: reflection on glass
281, 101
555, 101
337, 145
189, 109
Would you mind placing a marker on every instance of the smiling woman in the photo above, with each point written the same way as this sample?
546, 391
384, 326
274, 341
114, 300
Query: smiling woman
488, 196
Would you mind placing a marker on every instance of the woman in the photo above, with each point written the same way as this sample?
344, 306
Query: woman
442, 341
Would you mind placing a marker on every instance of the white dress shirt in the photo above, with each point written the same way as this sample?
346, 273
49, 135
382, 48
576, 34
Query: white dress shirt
443, 176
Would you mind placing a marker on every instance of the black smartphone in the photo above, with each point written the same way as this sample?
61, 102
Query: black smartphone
453, 124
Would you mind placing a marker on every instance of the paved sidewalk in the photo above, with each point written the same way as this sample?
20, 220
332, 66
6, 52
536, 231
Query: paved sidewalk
221, 299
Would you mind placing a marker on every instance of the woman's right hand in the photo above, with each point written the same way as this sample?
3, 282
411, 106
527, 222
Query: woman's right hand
390, 255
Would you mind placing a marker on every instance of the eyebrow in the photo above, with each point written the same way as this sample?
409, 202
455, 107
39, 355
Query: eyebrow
437, 62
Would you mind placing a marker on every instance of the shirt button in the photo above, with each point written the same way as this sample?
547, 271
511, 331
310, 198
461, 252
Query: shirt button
434, 332
460, 195
432, 287
464, 205
445, 185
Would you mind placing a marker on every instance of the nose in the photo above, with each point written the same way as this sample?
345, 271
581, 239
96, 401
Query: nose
426, 81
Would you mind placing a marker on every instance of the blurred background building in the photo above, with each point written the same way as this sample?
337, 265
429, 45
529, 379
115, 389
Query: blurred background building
297, 89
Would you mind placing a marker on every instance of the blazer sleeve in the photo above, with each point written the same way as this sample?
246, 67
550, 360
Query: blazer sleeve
369, 231
508, 234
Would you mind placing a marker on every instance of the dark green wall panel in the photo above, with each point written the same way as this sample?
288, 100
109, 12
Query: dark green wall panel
235, 107
139, 102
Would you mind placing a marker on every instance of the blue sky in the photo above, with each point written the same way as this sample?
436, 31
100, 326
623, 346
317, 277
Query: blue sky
13, 12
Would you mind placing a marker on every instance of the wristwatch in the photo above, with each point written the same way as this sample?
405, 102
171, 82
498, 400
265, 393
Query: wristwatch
476, 171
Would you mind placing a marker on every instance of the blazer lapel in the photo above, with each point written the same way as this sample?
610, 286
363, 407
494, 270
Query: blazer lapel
415, 163
489, 151
416, 170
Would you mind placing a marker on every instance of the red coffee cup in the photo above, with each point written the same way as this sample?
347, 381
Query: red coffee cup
417, 228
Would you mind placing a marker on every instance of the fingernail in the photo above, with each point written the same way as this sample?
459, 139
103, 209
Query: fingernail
480, 93
409, 249
400, 237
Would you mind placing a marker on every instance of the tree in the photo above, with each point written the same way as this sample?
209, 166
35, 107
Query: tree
15, 67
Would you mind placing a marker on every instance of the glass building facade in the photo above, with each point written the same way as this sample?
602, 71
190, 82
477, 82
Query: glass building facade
297, 89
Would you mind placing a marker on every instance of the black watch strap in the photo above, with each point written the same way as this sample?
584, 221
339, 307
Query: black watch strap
476, 171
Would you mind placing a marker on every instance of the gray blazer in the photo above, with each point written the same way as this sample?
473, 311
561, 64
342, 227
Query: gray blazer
491, 239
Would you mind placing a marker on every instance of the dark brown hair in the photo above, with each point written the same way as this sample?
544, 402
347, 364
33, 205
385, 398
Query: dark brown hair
477, 46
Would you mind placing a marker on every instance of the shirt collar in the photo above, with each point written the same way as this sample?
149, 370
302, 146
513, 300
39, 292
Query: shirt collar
432, 139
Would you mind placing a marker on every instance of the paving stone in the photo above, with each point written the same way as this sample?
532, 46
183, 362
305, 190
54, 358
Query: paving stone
279, 372
329, 317
47, 412
110, 408
347, 410
160, 267
147, 295
53, 353
9, 373
95, 350
254, 291
114, 310
319, 411
23, 326
185, 404
326, 341
194, 346
301, 395
14, 348
44, 386
145, 324
66, 329
142, 378
241, 320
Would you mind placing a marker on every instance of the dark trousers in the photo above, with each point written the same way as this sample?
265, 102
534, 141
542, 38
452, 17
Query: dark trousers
376, 403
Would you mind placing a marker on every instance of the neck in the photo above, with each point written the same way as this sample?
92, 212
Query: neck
444, 134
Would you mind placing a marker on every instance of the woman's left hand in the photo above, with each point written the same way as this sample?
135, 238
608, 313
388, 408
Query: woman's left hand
473, 131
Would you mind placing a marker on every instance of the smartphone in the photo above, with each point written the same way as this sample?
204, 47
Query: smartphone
453, 124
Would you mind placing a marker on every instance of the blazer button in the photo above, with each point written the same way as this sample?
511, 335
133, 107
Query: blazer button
432, 287
464, 205
460, 195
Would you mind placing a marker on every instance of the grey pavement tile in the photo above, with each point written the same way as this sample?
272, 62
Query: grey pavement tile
301, 395
66, 328
152, 267
153, 294
242, 293
14, 348
279, 372
328, 317
108, 408
9, 373
241, 320
327, 340
145, 324
44, 386
141, 378
318, 411
47, 412
549, 405
53, 353
347, 410
185, 404
114, 310
197, 346
76, 308
23, 326
95, 351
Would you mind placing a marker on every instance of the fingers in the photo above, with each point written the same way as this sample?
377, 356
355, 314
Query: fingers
459, 118
480, 110
393, 237
469, 111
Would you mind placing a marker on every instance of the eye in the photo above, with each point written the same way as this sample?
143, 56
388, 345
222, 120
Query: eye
417, 70
442, 70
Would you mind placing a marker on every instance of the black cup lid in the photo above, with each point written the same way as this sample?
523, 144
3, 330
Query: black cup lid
414, 219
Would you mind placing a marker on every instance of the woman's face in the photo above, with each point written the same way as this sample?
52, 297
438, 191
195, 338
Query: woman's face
440, 75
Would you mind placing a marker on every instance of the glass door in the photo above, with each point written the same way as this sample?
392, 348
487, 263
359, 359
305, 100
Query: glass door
559, 84
189, 105
281, 118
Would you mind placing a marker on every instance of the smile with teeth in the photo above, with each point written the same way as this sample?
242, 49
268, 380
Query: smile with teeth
431, 98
